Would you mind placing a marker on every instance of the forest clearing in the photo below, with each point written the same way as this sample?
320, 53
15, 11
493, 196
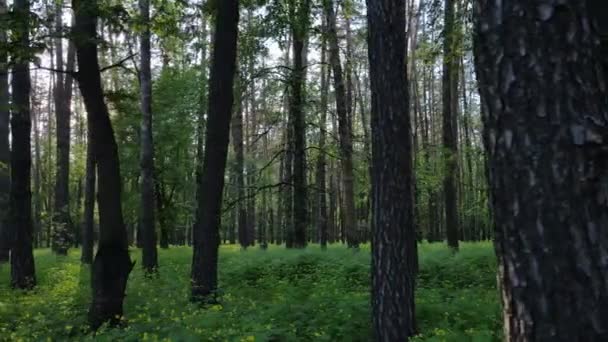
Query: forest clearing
273, 295
304, 170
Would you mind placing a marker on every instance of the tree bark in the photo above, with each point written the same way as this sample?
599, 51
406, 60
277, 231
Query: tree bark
345, 130
394, 236
300, 21
23, 275
545, 115
5, 153
112, 263
210, 189
147, 223
450, 127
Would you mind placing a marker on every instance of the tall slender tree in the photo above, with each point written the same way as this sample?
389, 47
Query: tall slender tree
238, 170
112, 264
321, 167
5, 178
20, 207
545, 113
147, 227
393, 237
210, 187
450, 127
300, 13
62, 100
344, 129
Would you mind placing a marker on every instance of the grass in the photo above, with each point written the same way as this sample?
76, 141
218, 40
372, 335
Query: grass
273, 295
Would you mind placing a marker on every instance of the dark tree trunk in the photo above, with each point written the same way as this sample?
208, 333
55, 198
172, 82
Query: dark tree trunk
288, 193
147, 223
345, 131
545, 115
239, 166
320, 176
5, 153
331, 210
300, 19
394, 235
450, 127
89, 202
23, 274
210, 188
112, 263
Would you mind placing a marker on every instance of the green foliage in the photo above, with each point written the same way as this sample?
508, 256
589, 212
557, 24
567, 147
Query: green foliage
279, 295
176, 105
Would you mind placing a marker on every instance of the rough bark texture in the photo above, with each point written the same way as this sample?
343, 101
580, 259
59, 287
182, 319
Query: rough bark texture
62, 99
147, 223
5, 178
545, 115
344, 130
300, 20
206, 234
20, 204
393, 237
450, 128
112, 263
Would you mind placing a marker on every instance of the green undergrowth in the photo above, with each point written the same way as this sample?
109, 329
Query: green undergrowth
273, 295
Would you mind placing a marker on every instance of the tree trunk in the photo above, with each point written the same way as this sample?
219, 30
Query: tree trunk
300, 20
161, 206
62, 98
288, 220
210, 188
147, 223
239, 165
545, 115
450, 127
322, 160
394, 235
112, 263
345, 130
5, 153
23, 275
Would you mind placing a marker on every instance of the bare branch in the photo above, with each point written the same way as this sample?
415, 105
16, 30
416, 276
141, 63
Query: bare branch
119, 64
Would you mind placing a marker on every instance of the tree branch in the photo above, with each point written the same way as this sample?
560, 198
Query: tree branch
119, 64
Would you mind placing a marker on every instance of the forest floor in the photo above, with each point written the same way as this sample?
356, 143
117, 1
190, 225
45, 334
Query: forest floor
273, 295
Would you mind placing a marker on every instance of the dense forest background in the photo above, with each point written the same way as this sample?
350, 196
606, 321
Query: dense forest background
261, 157
286, 170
